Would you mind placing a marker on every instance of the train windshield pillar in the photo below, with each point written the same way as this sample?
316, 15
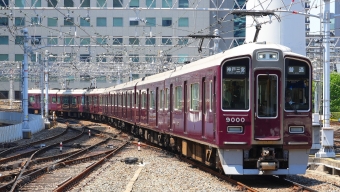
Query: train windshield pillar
235, 85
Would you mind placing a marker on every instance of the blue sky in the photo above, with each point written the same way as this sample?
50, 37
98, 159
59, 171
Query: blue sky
314, 22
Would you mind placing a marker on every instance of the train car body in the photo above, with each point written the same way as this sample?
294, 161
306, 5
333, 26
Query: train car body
71, 102
34, 101
246, 111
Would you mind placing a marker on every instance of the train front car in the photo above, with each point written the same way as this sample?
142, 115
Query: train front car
265, 119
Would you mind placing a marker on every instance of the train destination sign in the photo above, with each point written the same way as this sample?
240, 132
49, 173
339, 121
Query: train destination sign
296, 70
236, 70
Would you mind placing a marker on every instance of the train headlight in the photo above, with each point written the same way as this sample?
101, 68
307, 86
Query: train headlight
235, 129
296, 129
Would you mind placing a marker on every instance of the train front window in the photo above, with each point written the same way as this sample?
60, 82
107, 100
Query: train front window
297, 85
267, 95
235, 84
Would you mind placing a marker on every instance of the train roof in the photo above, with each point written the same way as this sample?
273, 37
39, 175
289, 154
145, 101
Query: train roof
72, 91
38, 91
95, 91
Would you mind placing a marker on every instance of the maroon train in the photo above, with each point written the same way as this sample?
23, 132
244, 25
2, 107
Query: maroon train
246, 111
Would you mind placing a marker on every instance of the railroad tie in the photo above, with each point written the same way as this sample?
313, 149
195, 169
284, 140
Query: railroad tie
132, 180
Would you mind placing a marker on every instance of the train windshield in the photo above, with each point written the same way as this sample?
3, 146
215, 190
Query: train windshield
297, 85
235, 84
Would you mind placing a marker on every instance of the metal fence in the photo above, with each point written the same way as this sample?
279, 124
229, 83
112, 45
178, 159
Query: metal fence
14, 132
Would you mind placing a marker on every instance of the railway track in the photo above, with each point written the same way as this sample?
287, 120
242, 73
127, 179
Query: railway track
36, 165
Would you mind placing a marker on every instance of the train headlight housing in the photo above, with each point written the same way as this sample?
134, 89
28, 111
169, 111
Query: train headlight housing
235, 129
296, 129
267, 56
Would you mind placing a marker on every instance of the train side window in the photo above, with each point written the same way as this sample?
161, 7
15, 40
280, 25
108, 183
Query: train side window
167, 95
82, 100
53, 100
297, 85
124, 99
74, 100
32, 99
152, 100
161, 97
194, 97
210, 95
143, 102
137, 100
178, 98
58, 100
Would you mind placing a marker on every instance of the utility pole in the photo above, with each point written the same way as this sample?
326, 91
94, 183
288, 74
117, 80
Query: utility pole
327, 133
27, 134
47, 122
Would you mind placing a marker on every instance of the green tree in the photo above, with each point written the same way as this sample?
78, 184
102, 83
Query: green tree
335, 92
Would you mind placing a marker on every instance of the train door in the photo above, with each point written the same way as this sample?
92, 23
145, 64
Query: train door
267, 105
171, 110
203, 107
185, 105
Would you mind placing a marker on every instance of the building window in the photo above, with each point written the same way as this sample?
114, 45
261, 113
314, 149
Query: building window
52, 41
182, 58
68, 3
150, 3
52, 57
183, 22
134, 57
101, 21
150, 58
19, 3
117, 41
101, 3
3, 21
101, 41
69, 41
34, 57
68, 57
85, 3
182, 41
52, 21
3, 40
68, 21
183, 3
118, 21
117, 3
134, 3
134, 21
4, 3
84, 58
19, 40
52, 3
85, 41
150, 41
166, 21
168, 58
150, 21
84, 23
100, 58
19, 57
166, 41
36, 20
36, 3
19, 21
166, 3
133, 41
3, 57
36, 40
